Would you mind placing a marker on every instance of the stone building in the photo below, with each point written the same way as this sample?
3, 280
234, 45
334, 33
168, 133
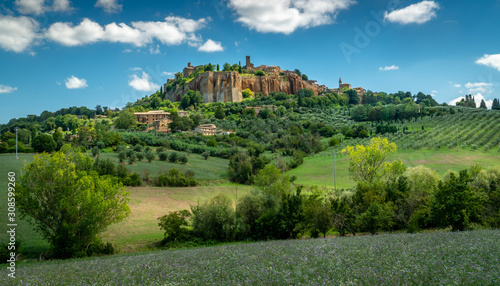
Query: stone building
150, 116
206, 129
189, 70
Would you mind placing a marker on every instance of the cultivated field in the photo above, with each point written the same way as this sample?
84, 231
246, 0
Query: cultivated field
319, 169
438, 258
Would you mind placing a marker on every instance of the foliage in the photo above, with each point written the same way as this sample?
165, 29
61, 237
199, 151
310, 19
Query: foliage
214, 220
70, 205
125, 120
191, 98
259, 73
44, 143
176, 178
456, 203
367, 162
240, 168
247, 93
174, 224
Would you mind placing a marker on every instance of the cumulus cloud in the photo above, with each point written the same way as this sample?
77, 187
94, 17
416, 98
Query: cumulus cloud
477, 99
109, 6
285, 16
479, 87
490, 61
143, 83
172, 31
7, 89
388, 68
457, 85
61, 6
210, 46
37, 7
17, 33
418, 13
75, 83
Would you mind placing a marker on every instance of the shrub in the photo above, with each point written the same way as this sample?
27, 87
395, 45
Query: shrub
140, 156
160, 149
100, 145
121, 156
260, 73
172, 157
174, 224
214, 220
104, 167
163, 156
182, 158
44, 143
205, 155
95, 151
150, 156
133, 180
175, 178
132, 158
138, 148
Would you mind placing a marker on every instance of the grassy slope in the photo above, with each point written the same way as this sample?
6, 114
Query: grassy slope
318, 170
147, 204
438, 258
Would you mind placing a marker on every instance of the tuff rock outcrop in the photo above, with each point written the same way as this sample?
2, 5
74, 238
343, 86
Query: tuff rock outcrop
227, 86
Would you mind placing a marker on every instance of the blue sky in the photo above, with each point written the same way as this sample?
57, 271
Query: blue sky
62, 53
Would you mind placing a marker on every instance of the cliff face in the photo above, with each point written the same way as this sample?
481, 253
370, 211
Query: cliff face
227, 86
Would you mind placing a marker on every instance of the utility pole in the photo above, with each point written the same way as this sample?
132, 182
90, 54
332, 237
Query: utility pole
17, 128
457, 139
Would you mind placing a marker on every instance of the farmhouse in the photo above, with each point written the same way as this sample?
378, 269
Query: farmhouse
206, 129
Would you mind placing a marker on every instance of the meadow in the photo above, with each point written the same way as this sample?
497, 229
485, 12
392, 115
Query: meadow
437, 258
319, 169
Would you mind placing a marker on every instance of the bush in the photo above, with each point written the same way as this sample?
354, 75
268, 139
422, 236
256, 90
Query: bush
172, 157
205, 155
133, 180
260, 73
160, 149
44, 143
140, 156
150, 156
138, 148
334, 141
175, 178
100, 145
182, 158
214, 220
104, 167
163, 156
121, 156
174, 224
132, 158
95, 151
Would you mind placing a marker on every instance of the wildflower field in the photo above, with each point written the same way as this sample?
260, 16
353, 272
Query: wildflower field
437, 258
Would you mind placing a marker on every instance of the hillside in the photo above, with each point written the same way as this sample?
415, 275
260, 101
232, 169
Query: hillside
439, 258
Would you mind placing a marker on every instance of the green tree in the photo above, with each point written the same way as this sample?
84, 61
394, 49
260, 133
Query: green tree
496, 104
456, 204
259, 73
353, 96
483, 104
70, 205
214, 220
367, 161
175, 225
247, 93
219, 112
240, 168
125, 120
44, 143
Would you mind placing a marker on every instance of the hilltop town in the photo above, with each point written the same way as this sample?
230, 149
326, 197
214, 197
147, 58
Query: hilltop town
228, 85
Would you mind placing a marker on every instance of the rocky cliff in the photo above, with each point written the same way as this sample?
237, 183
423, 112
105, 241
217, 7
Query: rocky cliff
227, 86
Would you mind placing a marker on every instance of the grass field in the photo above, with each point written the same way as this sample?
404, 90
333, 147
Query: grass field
318, 170
147, 204
212, 169
437, 258
141, 228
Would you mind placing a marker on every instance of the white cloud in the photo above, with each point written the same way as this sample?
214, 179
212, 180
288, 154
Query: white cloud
490, 61
17, 33
109, 6
86, 32
477, 99
434, 92
167, 73
172, 31
457, 85
143, 83
388, 68
155, 50
61, 6
7, 89
418, 13
210, 46
478, 87
75, 83
37, 7
285, 16
236, 43
34, 7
